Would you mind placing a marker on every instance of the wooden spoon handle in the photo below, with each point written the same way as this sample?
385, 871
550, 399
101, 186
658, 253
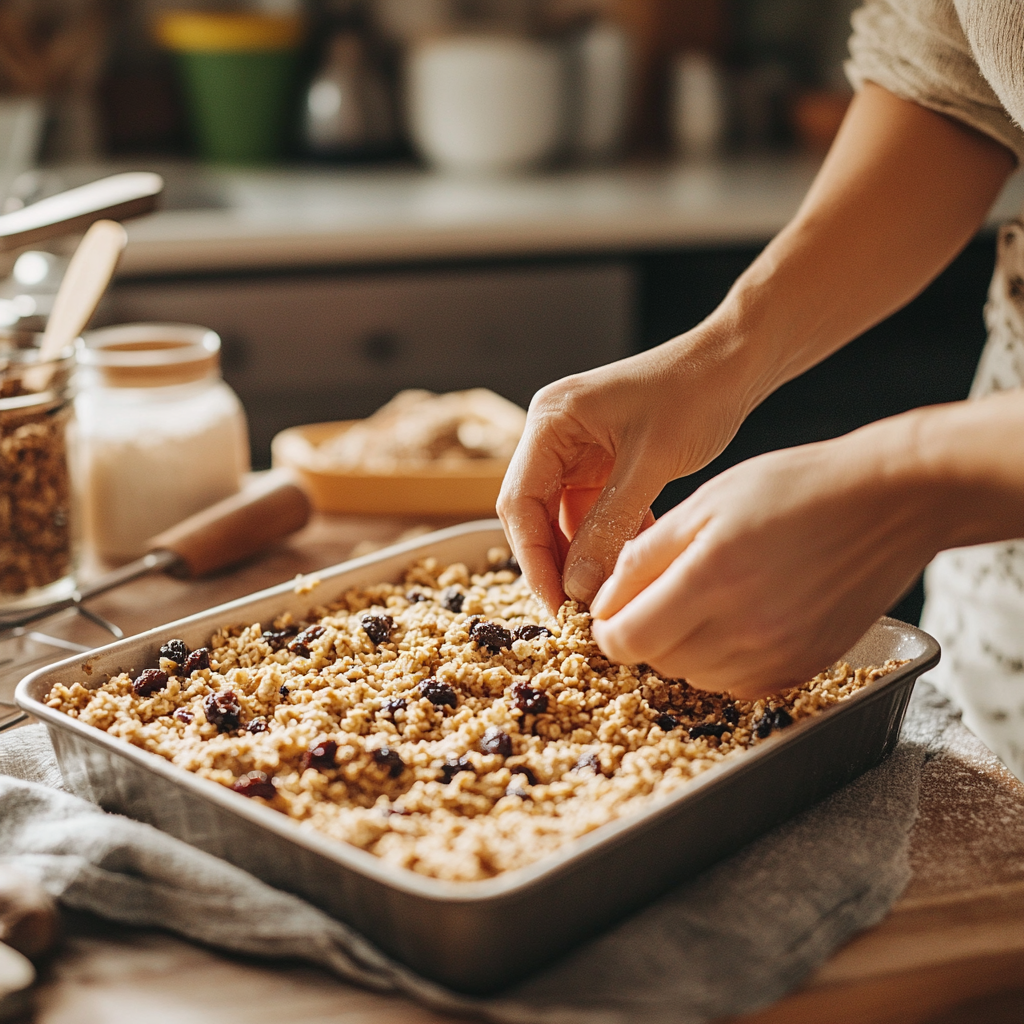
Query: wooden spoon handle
267, 510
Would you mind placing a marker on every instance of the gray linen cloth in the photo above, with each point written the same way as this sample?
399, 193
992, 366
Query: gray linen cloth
734, 939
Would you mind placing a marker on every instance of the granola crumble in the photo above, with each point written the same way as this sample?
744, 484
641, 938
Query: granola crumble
379, 721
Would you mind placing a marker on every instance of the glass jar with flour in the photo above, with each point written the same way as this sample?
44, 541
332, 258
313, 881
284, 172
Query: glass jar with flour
161, 436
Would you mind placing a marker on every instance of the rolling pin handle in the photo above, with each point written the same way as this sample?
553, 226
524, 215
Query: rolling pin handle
267, 509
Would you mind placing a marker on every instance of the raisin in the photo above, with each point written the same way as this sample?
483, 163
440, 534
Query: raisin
666, 722
763, 726
707, 729
527, 773
390, 759
491, 636
198, 659
278, 638
509, 564
149, 682
782, 718
258, 725
438, 694
415, 596
222, 710
529, 700
300, 645
453, 766
174, 650
255, 784
588, 761
378, 627
183, 716
321, 756
530, 631
452, 599
731, 716
393, 704
283, 690
496, 741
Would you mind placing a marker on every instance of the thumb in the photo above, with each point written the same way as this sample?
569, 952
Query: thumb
620, 512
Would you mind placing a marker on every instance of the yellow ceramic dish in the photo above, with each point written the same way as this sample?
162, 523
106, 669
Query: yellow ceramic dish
469, 490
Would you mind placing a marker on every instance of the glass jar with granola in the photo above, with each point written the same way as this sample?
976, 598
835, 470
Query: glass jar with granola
38, 543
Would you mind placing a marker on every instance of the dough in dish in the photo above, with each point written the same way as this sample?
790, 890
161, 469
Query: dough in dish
444, 724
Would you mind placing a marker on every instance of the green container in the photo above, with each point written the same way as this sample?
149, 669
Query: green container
238, 101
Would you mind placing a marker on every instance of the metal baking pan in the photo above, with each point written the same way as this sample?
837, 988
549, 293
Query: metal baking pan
477, 936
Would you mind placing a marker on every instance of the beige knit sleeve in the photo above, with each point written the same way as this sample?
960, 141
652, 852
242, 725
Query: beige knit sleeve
917, 49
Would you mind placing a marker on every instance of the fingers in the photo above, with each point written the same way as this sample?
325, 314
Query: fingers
617, 515
528, 509
643, 559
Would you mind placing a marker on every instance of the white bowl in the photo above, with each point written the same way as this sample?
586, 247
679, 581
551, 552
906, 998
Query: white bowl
485, 103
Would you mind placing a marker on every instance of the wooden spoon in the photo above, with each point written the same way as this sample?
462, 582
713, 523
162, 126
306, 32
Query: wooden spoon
85, 281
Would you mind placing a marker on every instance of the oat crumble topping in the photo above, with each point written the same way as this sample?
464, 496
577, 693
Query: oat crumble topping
446, 724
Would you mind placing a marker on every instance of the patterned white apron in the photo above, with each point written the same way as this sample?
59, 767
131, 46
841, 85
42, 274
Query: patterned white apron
975, 596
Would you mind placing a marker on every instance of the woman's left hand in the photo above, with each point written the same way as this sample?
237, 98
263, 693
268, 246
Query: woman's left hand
775, 568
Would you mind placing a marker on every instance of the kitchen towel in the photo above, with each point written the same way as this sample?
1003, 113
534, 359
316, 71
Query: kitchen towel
731, 940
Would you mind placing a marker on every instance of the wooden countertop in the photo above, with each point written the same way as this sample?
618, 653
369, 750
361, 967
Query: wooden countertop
950, 952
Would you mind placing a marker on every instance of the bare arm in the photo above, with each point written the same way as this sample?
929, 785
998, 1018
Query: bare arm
900, 193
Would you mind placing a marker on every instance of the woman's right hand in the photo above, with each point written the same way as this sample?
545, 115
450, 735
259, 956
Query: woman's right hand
599, 446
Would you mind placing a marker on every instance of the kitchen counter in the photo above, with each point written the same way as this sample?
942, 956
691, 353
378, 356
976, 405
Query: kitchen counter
950, 952
242, 220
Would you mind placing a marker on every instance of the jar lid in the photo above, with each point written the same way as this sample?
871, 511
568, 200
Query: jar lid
151, 355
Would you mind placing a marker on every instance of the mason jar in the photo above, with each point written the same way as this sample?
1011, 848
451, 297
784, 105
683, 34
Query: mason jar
161, 436
38, 520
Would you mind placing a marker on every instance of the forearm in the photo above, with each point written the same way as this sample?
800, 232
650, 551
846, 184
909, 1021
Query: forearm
970, 456
902, 190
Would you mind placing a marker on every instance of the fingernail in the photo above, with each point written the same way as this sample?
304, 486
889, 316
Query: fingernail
583, 579
595, 604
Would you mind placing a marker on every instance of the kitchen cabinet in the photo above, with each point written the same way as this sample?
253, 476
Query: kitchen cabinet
305, 347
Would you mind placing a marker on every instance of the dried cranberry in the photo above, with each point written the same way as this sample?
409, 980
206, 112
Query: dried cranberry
453, 766
452, 599
258, 725
666, 722
278, 638
322, 756
393, 704
255, 784
438, 693
415, 596
496, 741
198, 659
529, 700
174, 650
390, 759
521, 769
731, 716
530, 631
378, 627
707, 729
149, 682
222, 710
781, 718
183, 716
588, 760
491, 636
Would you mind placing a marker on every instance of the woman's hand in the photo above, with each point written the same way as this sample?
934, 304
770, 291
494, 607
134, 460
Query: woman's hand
599, 446
772, 570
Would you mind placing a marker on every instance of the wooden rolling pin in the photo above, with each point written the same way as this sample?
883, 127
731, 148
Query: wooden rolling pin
269, 508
